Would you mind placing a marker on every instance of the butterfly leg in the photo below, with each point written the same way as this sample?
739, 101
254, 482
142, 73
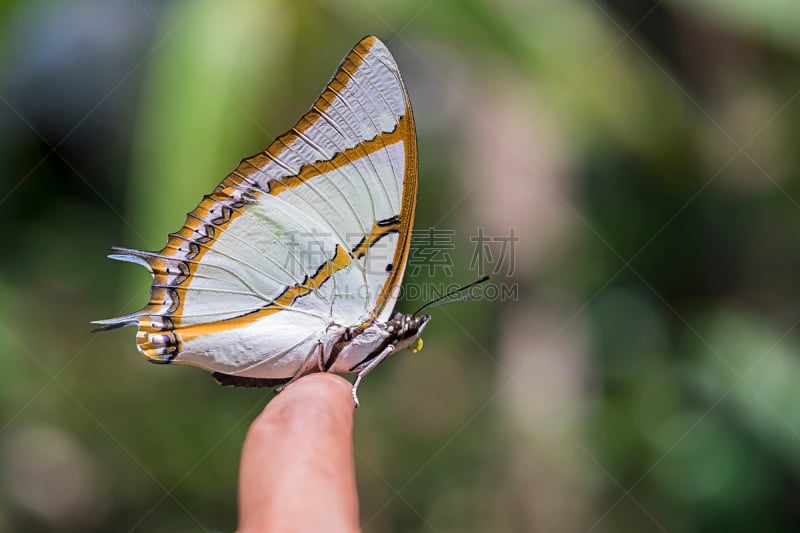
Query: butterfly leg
367, 369
312, 362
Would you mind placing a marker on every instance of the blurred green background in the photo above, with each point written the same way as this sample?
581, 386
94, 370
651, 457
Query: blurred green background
645, 378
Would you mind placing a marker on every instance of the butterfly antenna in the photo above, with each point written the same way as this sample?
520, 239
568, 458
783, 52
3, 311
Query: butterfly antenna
451, 297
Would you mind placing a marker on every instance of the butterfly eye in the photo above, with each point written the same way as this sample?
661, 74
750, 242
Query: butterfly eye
417, 346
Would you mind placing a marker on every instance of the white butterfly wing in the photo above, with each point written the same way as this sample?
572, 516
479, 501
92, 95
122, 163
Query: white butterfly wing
313, 231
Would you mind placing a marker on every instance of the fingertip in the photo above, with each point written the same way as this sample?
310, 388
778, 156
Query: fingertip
300, 447
316, 398
320, 387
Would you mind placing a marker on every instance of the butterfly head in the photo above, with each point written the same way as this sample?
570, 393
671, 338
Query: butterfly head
407, 330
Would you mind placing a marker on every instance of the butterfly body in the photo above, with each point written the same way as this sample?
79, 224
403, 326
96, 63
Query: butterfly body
347, 353
293, 263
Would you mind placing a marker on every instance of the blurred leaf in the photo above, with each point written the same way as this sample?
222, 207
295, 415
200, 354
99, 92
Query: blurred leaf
203, 101
752, 368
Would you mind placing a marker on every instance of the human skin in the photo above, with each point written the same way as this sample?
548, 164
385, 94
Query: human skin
297, 471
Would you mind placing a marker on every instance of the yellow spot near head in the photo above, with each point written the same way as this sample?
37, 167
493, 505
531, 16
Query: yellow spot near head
417, 346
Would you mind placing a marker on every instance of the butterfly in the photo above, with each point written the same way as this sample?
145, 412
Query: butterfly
293, 264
